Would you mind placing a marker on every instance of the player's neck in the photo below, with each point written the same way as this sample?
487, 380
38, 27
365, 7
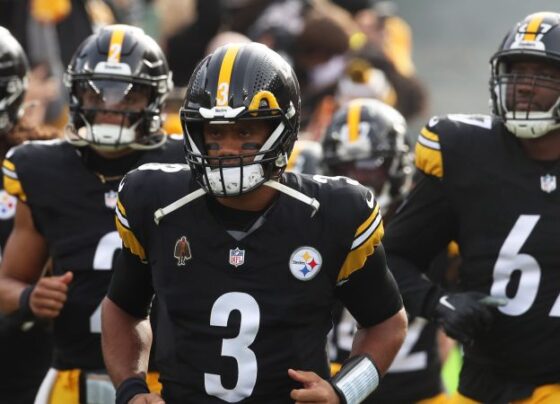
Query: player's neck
257, 200
544, 148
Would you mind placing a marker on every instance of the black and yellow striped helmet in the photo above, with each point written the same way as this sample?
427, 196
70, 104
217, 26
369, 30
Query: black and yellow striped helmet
534, 39
113, 63
242, 82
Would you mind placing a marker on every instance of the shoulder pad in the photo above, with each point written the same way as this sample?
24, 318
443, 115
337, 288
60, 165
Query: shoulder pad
442, 132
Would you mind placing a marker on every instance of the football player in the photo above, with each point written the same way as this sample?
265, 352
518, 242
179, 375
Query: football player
366, 141
25, 347
67, 189
490, 183
246, 261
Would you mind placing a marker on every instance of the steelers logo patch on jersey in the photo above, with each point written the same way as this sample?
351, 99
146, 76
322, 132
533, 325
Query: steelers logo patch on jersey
7, 205
305, 263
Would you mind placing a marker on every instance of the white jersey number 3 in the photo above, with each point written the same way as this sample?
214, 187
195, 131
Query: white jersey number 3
238, 347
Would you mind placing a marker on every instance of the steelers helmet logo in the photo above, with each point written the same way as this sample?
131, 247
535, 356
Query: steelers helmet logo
305, 263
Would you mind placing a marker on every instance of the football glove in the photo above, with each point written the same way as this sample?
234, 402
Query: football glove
465, 315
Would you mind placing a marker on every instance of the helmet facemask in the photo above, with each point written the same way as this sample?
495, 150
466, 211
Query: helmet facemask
234, 175
133, 110
528, 103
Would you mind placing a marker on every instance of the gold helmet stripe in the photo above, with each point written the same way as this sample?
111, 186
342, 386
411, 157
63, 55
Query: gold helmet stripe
533, 27
222, 93
353, 120
115, 47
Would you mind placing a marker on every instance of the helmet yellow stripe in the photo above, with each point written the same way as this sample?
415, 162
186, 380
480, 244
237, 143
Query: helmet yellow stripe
353, 120
222, 94
533, 28
115, 47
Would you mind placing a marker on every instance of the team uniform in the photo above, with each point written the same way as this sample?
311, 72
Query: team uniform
237, 309
479, 188
25, 349
72, 208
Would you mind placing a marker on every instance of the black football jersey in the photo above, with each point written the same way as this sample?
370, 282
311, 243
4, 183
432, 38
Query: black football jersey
235, 313
73, 208
503, 209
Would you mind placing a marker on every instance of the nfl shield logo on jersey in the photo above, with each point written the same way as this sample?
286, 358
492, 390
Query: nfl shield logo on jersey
548, 183
182, 251
305, 263
236, 257
111, 199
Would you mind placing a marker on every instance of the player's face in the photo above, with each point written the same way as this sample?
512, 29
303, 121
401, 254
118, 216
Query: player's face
112, 105
242, 138
536, 86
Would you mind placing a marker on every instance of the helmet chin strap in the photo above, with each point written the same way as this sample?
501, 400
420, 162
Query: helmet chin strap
179, 203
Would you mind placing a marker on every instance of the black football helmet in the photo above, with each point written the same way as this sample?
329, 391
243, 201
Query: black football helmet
241, 82
13, 80
366, 141
113, 64
536, 37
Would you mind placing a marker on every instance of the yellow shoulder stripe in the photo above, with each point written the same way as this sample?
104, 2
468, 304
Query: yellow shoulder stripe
129, 239
363, 246
12, 184
428, 154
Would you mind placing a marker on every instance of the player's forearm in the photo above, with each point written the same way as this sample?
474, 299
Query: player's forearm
381, 341
10, 292
126, 342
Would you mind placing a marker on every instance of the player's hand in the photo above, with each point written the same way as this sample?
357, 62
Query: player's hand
315, 389
150, 398
465, 315
49, 295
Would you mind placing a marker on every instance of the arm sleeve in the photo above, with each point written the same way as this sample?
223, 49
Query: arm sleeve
131, 285
371, 294
423, 227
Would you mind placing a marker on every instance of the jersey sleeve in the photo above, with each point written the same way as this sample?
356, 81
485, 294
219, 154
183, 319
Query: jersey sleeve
367, 233
12, 182
125, 214
131, 285
428, 155
364, 284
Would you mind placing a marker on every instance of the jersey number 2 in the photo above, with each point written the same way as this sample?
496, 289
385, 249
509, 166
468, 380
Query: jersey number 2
238, 347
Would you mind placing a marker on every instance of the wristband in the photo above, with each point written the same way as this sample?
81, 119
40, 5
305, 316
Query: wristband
357, 379
24, 307
129, 388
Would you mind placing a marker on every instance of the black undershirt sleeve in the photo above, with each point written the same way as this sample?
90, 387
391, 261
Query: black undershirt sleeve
371, 294
131, 285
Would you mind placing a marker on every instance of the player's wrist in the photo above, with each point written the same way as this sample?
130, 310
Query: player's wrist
25, 311
357, 379
129, 388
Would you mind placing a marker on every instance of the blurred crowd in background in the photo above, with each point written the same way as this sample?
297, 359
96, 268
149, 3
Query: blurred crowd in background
340, 49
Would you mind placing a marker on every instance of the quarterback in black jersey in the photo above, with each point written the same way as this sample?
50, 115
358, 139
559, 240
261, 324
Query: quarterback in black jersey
246, 261
366, 141
490, 182
25, 346
67, 192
